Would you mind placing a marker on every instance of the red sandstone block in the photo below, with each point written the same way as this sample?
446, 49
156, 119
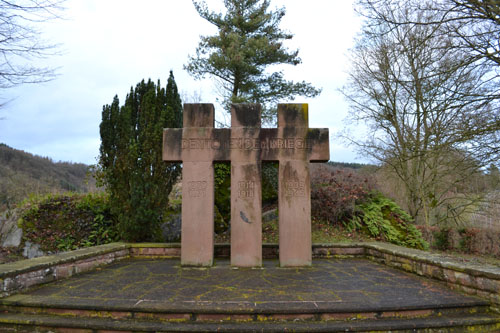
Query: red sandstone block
487, 284
69, 312
174, 252
463, 278
337, 316
320, 252
292, 316
493, 297
407, 313
68, 330
34, 278
119, 314
467, 290
160, 251
212, 317
163, 316
83, 266
449, 275
242, 317
154, 251
349, 315
121, 254
433, 271
63, 271
353, 251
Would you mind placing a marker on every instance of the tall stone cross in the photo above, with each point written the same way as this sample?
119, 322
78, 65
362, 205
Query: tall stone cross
293, 145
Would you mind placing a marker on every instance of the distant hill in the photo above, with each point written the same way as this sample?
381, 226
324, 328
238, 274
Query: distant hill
23, 173
349, 165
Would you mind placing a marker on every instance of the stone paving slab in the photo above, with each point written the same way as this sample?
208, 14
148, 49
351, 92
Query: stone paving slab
330, 285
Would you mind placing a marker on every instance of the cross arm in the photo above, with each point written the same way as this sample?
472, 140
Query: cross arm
320, 144
172, 144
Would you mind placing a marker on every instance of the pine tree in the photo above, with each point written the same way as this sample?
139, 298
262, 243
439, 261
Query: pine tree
239, 56
137, 179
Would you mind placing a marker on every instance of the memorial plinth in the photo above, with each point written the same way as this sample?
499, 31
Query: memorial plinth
293, 145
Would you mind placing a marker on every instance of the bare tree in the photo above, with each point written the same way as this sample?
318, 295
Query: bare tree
21, 41
430, 110
476, 23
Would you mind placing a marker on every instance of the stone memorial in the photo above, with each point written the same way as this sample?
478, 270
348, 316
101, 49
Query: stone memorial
245, 145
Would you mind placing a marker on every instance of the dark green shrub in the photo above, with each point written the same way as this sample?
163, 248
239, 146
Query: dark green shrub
130, 163
382, 218
441, 241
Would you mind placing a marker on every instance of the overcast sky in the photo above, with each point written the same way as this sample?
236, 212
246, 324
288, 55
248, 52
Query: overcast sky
109, 46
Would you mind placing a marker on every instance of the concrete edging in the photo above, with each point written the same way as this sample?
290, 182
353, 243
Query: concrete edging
473, 279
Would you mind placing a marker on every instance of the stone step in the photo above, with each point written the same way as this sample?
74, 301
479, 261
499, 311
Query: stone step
267, 311
15, 322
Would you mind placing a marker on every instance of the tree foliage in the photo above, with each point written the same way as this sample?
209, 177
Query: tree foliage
432, 114
21, 40
131, 165
249, 41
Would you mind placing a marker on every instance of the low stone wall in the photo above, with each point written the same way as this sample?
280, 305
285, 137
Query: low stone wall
21, 275
470, 278
155, 250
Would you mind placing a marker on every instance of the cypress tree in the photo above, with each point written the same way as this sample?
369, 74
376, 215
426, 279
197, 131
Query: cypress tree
131, 165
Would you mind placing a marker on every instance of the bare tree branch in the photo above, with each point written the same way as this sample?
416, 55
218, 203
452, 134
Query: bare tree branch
431, 104
21, 41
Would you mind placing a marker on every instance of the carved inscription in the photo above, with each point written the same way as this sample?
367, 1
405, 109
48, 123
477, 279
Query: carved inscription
246, 189
197, 188
247, 144
295, 188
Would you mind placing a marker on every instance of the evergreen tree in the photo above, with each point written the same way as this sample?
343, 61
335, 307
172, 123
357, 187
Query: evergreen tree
239, 56
131, 165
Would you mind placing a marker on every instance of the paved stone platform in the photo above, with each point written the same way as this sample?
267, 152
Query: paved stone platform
330, 285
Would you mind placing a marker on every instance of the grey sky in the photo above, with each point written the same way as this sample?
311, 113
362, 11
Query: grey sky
109, 46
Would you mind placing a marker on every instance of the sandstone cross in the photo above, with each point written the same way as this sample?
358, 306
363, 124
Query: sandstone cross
245, 145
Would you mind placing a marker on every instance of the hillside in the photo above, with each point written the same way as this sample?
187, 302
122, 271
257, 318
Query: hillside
23, 173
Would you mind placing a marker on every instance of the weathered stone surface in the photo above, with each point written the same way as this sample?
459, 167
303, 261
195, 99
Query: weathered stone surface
294, 189
246, 199
32, 250
484, 279
197, 182
197, 213
246, 145
360, 286
10, 233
